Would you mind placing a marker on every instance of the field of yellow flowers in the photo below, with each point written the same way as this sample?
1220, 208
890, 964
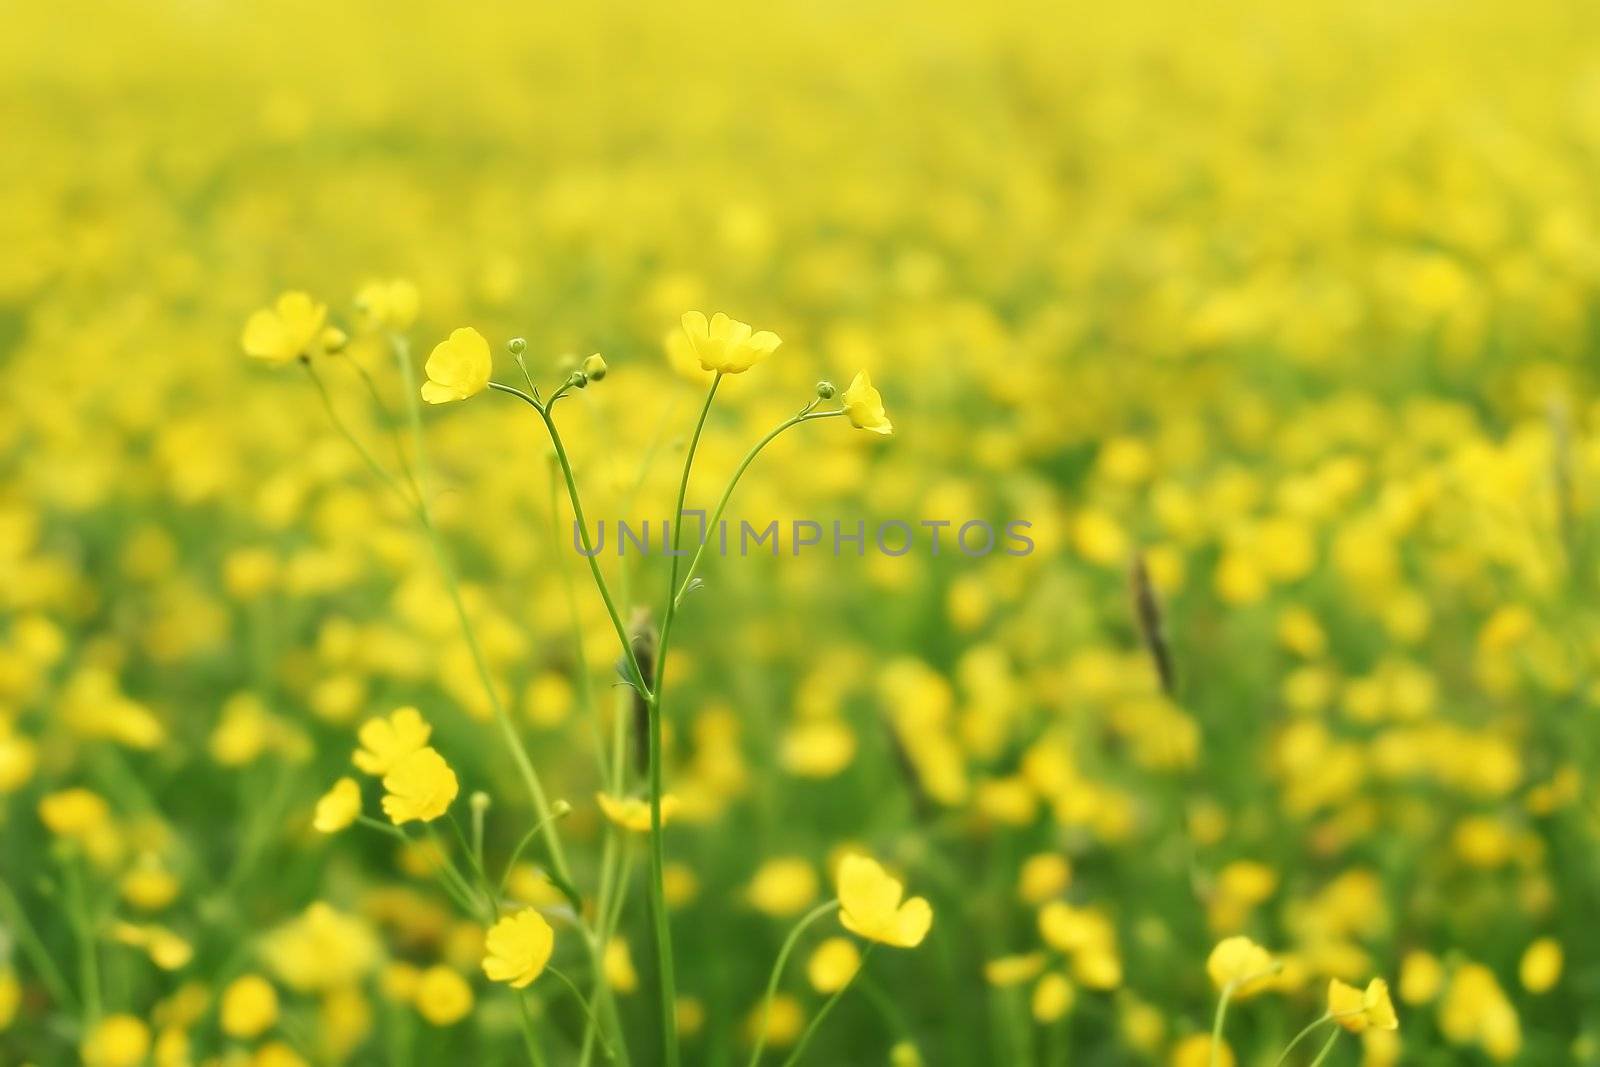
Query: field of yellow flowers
1171, 434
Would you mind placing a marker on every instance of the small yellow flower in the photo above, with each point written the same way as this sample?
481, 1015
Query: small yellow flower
148, 885
727, 345
385, 742
633, 813
1013, 970
1052, 998
116, 1041
833, 965
1043, 875
1357, 1010
863, 405
517, 948
421, 786
443, 997
870, 905
783, 886
1242, 965
458, 367
73, 812
387, 305
1196, 1051
338, 807
1540, 968
166, 949
779, 1025
286, 331
618, 966
249, 1006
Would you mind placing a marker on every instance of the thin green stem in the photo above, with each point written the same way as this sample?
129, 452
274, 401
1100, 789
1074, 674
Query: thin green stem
822, 1012
355, 442
594, 1023
83, 926
806, 415
658, 896
777, 973
1301, 1036
529, 1038
1327, 1048
1216, 1025
18, 923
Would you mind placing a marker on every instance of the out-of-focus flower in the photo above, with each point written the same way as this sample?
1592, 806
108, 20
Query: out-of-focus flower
833, 964
1540, 968
633, 813
1359, 1010
443, 997
116, 1041
249, 1006
338, 807
286, 331
387, 305
386, 741
1242, 966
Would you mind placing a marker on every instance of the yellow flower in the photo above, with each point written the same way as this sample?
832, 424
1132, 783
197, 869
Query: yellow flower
633, 813
1242, 965
870, 905
1421, 976
1052, 998
249, 1006
73, 812
727, 345
442, 996
387, 305
421, 786
833, 965
1357, 1010
18, 758
458, 367
116, 1041
779, 1025
783, 886
618, 966
517, 948
148, 885
286, 331
1541, 964
863, 405
10, 997
1196, 1051
338, 807
1043, 876
166, 949
385, 742
1013, 970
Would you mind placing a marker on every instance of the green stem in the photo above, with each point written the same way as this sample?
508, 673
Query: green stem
822, 1012
529, 1038
1327, 1048
83, 926
1301, 1036
777, 972
355, 442
594, 1023
806, 415
658, 896
1216, 1025
49, 973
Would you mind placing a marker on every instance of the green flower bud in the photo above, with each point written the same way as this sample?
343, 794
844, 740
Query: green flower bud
516, 346
595, 367
825, 390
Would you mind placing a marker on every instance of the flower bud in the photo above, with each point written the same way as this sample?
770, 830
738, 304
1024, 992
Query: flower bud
334, 339
560, 809
516, 346
480, 801
595, 367
577, 379
825, 390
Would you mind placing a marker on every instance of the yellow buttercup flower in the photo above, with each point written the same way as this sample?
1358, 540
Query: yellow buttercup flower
783, 886
727, 345
10, 997
458, 367
1540, 968
1241, 965
871, 905
387, 305
420, 786
517, 948
385, 742
833, 964
633, 813
1359, 1010
1052, 998
863, 405
116, 1041
443, 997
249, 1006
73, 812
1013, 970
338, 807
166, 949
286, 331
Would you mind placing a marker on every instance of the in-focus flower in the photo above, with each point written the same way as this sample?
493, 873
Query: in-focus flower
1242, 965
833, 964
338, 807
286, 331
863, 405
420, 786
871, 905
458, 367
249, 1006
1359, 1010
387, 305
727, 345
443, 997
517, 948
385, 742
116, 1041
633, 813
